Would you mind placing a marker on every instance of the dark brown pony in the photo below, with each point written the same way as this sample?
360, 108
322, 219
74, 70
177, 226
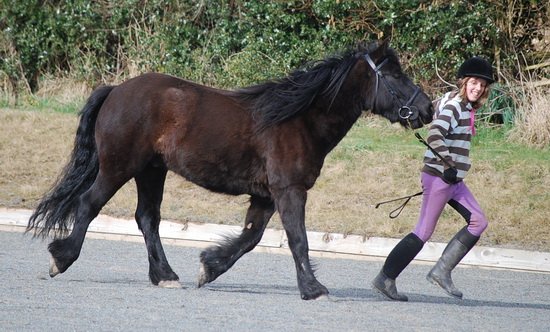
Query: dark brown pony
268, 141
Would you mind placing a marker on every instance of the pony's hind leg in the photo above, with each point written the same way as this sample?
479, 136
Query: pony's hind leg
218, 259
64, 252
150, 186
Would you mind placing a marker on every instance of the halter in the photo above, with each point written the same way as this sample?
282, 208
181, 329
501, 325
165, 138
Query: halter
406, 111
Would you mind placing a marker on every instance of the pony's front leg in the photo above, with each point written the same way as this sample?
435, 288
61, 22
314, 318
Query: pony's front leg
291, 206
218, 259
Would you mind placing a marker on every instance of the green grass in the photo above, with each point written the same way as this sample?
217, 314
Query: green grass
492, 146
49, 104
46, 106
377, 136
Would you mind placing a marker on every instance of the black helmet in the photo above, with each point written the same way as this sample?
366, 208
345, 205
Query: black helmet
476, 67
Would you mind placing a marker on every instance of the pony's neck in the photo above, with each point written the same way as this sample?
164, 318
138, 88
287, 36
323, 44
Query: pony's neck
330, 127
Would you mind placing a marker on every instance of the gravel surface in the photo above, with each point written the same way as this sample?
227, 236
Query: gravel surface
108, 289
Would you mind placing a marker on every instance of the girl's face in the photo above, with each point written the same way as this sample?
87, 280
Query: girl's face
475, 88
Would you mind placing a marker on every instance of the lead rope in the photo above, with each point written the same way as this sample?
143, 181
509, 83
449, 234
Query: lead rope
396, 212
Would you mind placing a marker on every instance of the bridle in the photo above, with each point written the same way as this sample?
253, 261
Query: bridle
406, 111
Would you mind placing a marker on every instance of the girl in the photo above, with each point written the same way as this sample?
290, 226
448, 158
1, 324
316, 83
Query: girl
450, 135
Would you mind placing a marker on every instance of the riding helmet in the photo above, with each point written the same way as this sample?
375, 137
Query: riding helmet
476, 67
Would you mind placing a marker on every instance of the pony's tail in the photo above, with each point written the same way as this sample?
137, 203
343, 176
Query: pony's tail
56, 211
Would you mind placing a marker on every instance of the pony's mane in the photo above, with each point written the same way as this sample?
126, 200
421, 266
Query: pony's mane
277, 100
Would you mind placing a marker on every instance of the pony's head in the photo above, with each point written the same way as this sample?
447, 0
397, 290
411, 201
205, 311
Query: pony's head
392, 93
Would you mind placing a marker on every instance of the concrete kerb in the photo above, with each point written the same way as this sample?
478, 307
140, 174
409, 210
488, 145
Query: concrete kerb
275, 241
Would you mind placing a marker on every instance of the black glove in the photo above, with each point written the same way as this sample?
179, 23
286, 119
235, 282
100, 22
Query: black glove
449, 175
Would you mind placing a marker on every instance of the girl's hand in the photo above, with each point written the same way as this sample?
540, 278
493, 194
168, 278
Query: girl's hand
449, 175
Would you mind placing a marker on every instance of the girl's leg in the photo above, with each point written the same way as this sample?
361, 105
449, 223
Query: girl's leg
464, 202
398, 259
436, 194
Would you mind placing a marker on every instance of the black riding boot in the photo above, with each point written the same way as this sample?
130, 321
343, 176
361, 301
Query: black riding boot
398, 259
457, 248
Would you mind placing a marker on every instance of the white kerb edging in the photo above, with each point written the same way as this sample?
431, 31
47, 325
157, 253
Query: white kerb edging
326, 243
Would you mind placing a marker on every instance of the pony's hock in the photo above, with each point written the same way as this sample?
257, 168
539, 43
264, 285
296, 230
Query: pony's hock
268, 141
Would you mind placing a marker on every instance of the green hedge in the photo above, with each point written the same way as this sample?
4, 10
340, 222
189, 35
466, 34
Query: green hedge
235, 43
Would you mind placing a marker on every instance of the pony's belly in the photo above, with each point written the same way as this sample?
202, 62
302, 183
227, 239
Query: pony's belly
223, 181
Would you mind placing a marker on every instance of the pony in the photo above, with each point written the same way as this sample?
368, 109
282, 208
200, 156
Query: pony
268, 141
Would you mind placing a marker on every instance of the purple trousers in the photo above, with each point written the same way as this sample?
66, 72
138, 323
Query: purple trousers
437, 193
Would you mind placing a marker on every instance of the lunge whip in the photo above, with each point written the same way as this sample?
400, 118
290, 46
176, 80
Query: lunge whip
421, 140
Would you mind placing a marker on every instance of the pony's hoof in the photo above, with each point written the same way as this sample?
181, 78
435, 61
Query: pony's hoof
323, 297
203, 277
169, 284
313, 290
53, 268
319, 297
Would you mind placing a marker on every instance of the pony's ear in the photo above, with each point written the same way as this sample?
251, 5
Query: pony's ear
381, 48
383, 45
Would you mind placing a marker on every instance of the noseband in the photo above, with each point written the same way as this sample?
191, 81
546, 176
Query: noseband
406, 111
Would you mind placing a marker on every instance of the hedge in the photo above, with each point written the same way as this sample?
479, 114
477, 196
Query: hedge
236, 43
